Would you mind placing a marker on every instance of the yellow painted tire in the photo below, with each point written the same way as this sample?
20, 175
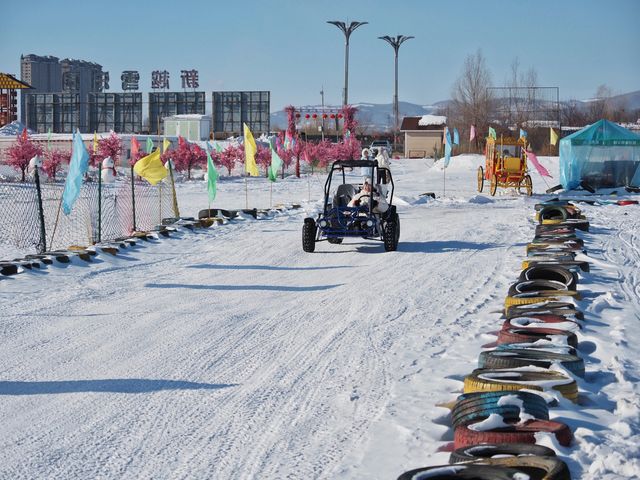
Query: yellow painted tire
553, 296
474, 383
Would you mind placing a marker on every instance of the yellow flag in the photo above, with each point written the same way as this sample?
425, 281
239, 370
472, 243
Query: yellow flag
250, 150
554, 137
165, 145
151, 168
95, 142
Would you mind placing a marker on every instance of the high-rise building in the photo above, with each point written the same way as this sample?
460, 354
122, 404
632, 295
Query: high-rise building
72, 80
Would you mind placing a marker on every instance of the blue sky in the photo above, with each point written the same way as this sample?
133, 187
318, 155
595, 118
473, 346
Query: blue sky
287, 47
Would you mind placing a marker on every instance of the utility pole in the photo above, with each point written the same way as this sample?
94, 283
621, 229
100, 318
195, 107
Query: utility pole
347, 30
322, 114
395, 42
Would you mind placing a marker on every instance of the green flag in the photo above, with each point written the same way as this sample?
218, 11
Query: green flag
212, 178
492, 133
276, 164
149, 145
217, 146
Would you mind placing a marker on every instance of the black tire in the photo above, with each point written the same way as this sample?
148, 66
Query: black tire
553, 212
391, 233
208, 213
547, 468
553, 308
529, 288
335, 241
309, 230
468, 471
514, 358
507, 412
478, 452
550, 272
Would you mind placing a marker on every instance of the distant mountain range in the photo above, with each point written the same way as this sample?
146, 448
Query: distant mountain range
379, 117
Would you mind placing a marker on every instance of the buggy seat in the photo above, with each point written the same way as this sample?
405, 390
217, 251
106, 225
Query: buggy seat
512, 165
344, 194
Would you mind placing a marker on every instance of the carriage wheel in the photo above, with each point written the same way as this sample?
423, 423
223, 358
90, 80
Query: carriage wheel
528, 184
493, 186
480, 179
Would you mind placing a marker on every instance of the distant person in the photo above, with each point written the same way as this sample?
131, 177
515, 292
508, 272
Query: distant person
366, 171
383, 162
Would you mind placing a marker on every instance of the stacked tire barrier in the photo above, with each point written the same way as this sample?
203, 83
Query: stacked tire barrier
533, 364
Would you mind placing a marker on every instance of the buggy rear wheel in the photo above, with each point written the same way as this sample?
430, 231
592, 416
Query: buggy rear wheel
493, 186
480, 179
309, 235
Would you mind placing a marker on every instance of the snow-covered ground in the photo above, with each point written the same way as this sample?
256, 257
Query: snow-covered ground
229, 353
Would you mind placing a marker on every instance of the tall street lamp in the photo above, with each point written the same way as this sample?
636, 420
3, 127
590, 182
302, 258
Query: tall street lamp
347, 30
395, 42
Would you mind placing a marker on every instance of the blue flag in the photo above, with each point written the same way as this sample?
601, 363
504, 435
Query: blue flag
456, 137
447, 150
523, 134
78, 166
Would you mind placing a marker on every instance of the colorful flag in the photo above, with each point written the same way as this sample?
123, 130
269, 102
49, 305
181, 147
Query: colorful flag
276, 165
165, 145
135, 147
347, 134
447, 148
212, 178
553, 136
95, 142
151, 168
217, 146
472, 133
287, 141
523, 134
149, 145
492, 133
446, 138
250, 150
78, 166
534, 160
24, 134
456, 137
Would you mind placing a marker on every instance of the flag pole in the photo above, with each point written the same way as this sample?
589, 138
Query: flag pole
271, 195
246, 193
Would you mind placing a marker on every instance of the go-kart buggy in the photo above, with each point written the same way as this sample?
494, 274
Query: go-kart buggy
339, 220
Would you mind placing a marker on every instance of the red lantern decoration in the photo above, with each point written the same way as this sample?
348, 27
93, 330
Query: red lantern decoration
315, 115
333, 115
324, 115
297, 115
339, 115
306, 116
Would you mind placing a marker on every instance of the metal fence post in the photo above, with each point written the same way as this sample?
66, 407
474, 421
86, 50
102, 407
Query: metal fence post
42, 245
133, 198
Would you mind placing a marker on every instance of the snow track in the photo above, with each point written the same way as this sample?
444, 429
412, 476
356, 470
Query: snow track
229, 353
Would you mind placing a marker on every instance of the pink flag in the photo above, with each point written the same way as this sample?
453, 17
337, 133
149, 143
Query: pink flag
533, 159
472, 133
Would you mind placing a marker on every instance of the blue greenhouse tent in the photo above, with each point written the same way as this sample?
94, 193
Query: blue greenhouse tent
602, 155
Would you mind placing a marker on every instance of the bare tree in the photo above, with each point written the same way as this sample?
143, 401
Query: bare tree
518, 105
601, 106
471, 98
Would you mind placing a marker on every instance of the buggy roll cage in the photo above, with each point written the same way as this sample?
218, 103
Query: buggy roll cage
341, 165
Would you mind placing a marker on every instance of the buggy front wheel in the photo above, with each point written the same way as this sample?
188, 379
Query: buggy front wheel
391, 233
309, 235
480, 179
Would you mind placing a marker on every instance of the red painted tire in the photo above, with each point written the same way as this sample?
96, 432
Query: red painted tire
520, 433
530, 335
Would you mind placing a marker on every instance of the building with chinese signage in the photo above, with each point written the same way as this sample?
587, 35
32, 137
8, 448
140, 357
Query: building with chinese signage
232, 109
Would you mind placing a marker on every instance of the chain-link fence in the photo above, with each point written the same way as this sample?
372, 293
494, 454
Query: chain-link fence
102, 212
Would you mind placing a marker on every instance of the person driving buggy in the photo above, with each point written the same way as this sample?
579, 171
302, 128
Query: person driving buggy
366, 195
